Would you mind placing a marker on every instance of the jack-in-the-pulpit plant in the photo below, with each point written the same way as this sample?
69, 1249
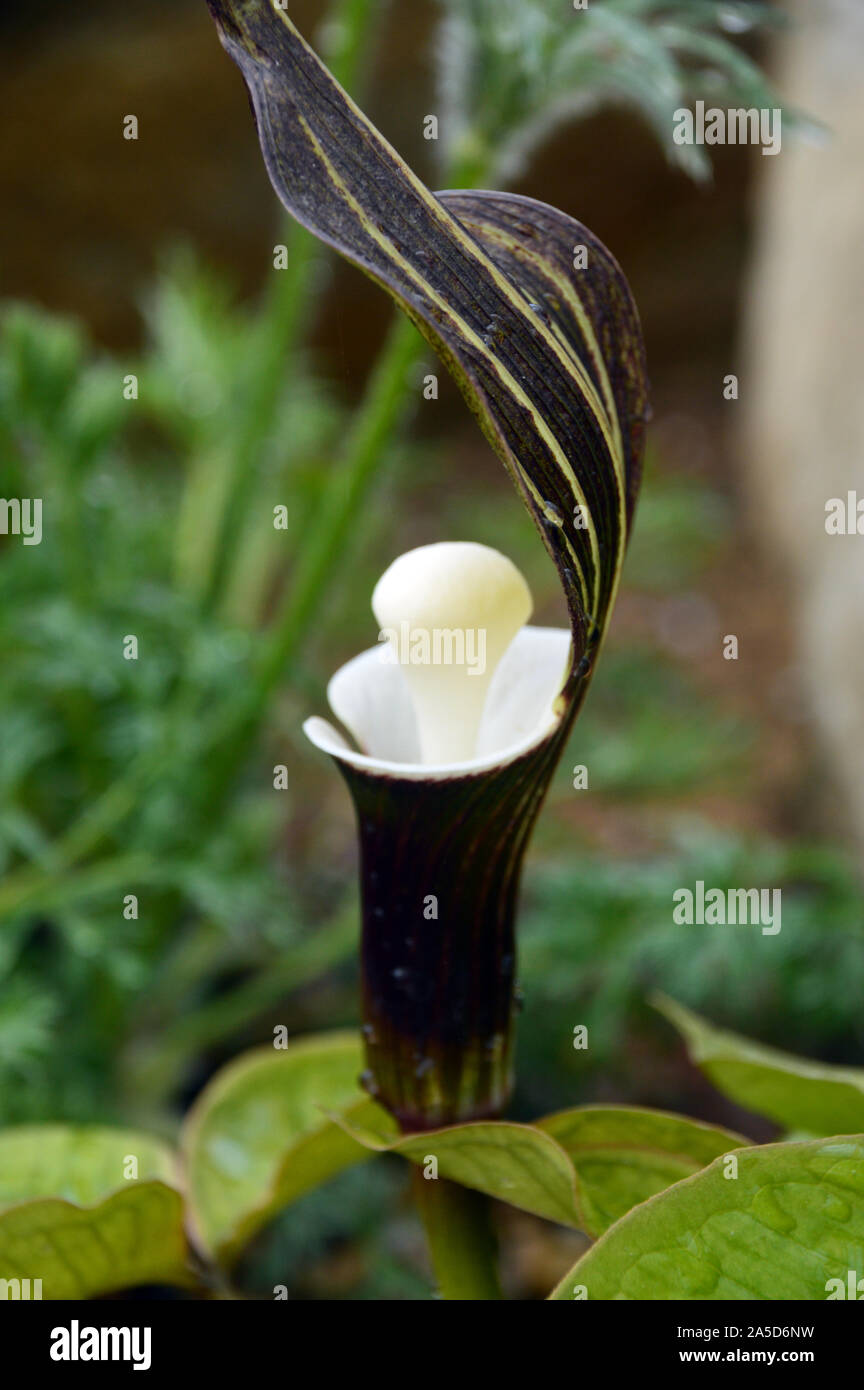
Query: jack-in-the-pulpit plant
450, 726
535, 320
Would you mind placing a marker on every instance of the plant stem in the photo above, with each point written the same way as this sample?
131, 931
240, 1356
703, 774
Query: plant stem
461, 1241
287, 312
154, 1064
344, 40
371, 431
64, 853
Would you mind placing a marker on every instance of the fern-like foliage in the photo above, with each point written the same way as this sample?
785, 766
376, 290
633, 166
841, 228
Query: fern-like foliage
510, 71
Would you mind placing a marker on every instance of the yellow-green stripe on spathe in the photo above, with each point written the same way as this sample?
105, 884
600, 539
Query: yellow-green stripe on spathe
608, 423
566, 288
507, 380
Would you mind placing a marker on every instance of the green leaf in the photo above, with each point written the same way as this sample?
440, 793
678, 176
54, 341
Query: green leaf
547, 352
791, 1220
71, 1217
624, 1155
518, 1164
799, 1095
582, 1168
259, 1136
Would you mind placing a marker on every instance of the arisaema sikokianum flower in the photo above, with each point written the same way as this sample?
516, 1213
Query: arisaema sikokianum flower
448, 764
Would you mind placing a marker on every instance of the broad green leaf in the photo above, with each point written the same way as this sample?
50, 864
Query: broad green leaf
515, 1163
624, 1155
810, 1097
526, 308
790, 1221
259, 1135
89, 1211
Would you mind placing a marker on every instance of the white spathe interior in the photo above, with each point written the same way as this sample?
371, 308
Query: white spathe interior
372, 699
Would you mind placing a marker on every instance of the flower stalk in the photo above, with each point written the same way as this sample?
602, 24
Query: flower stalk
462, 1243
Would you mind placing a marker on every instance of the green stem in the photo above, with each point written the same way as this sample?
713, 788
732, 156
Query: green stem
45, 890
155, 1063
461, 1240
91, 827
287, 312
344, 43
371, 431
471, 164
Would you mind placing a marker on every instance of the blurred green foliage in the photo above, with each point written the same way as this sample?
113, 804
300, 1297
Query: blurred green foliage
118, 777
598, 938
512, 71
354, 1239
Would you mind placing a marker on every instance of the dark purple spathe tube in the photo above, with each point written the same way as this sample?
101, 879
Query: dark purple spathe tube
441, 852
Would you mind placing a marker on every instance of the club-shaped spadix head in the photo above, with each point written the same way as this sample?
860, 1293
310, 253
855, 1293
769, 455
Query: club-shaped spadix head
448, 612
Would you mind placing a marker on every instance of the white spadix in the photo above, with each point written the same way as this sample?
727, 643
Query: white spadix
448, 613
